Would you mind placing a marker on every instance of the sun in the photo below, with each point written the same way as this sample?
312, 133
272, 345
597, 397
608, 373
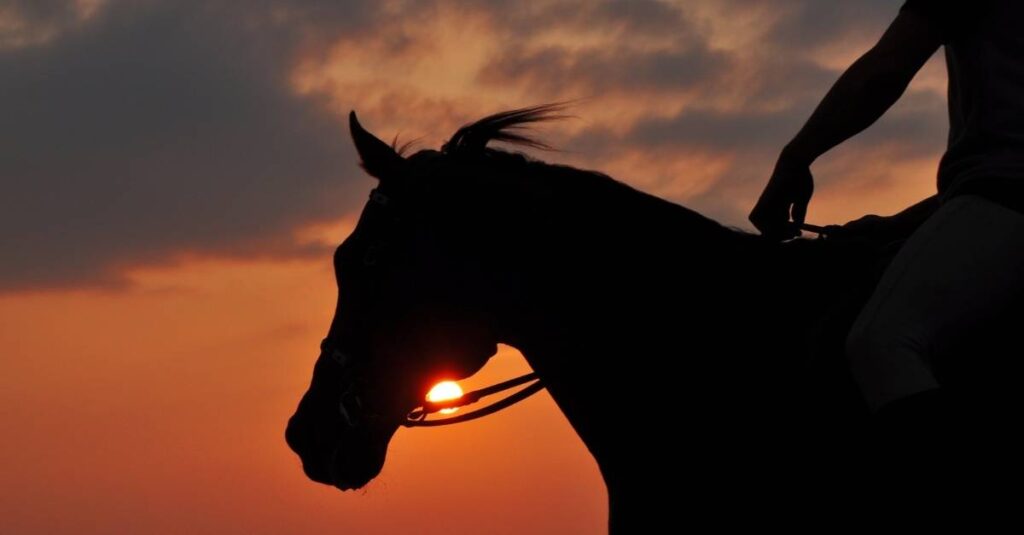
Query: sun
444, 391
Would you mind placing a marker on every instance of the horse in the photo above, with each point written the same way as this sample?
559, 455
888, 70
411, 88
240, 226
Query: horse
728, 346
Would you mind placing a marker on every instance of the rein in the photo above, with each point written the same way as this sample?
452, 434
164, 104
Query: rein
418, 417
816, 229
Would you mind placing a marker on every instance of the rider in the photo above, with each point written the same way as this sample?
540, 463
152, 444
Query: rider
963, 258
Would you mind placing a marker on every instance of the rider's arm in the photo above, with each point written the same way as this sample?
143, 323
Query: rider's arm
868, 87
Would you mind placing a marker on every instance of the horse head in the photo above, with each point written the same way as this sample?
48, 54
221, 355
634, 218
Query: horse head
410, 312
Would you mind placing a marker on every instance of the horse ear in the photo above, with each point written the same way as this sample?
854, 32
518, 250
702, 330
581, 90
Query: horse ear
378, 158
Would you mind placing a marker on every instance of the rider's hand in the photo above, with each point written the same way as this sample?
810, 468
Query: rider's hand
787, 194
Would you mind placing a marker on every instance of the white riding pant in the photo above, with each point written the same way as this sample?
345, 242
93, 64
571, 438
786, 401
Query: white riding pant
962, 266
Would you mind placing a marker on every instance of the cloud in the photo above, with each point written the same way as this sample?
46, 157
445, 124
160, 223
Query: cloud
600, 70
737, 84
32, 22
813, 24
161, 128
135, 132
911, 124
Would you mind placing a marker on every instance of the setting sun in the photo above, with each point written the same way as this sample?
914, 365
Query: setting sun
444, 391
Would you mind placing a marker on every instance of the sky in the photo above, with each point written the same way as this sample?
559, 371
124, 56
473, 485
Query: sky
175, 175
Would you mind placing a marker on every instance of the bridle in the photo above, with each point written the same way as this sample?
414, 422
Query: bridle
353, 409
351, 404
418, 417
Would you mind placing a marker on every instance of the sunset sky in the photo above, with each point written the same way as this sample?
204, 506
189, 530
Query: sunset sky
176, 173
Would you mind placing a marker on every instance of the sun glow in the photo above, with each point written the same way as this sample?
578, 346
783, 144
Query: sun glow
444, 391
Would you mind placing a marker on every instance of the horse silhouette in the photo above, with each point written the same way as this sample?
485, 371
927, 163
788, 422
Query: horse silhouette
724, 349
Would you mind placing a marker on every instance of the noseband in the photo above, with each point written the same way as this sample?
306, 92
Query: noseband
418, 417
354, 411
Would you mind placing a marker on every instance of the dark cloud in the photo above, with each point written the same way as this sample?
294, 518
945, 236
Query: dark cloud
914, 125
776, 69
558, 70
679, 60
27, 22
160, 129
773, 81
717, 130
36, 13
915, 128
152, 128
811, 23
743, 102
632, 18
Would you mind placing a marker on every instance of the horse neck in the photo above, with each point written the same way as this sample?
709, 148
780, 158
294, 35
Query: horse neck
588, 243
605, 290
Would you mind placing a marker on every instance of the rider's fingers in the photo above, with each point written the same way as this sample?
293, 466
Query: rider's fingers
775, 228
760, 219
799, 212
794, 230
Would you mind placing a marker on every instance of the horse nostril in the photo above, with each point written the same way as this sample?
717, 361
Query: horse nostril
318, 471
316, 456
297, 435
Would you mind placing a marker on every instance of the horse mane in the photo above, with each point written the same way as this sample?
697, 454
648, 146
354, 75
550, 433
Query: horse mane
505, 126
512, 127
470, 144
672, 237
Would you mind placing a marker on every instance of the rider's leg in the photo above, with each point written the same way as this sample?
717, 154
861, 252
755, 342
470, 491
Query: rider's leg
962, 266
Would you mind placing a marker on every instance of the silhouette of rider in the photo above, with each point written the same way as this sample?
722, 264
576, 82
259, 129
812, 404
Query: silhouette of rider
963, 259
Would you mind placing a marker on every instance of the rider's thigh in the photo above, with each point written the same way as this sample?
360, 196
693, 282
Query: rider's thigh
962, 267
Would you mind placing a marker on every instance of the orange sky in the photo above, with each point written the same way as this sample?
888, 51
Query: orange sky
162, 409
168, 279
